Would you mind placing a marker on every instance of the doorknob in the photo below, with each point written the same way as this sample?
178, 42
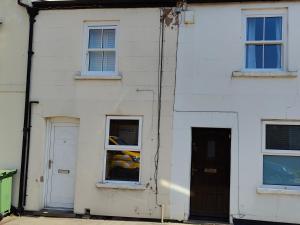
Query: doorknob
50, 164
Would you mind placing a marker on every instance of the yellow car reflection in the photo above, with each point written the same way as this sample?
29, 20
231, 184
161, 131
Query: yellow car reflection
123, 159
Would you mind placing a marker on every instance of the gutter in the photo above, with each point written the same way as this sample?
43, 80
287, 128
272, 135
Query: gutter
32, 13
87, 4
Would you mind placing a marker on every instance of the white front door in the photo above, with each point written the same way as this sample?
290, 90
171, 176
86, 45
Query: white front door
61, 166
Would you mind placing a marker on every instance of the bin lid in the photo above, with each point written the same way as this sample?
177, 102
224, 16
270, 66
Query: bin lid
7, 173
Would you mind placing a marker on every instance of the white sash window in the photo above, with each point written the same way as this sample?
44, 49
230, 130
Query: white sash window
101, 50
265, 41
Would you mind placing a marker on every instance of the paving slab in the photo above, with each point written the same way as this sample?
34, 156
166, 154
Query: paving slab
14, 220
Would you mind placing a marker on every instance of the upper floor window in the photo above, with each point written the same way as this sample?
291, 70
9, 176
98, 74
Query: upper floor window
101, 50
265, 42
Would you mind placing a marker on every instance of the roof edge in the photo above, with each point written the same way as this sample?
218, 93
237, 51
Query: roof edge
84, 4
81, 4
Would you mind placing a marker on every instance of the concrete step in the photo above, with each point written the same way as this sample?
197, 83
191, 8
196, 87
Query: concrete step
201, 222
55, 213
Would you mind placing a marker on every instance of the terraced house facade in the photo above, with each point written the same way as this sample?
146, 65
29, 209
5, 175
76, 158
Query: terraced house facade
13, 56
155, 109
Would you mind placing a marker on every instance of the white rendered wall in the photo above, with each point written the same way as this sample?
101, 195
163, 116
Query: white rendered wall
13, 58
209, 51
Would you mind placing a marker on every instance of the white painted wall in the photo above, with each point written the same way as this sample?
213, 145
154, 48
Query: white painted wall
58, 43
13, 58
209, 51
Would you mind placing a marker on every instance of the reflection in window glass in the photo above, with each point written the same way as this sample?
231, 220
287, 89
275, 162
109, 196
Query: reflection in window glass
281, 170
124, 132
122, 166
283, 137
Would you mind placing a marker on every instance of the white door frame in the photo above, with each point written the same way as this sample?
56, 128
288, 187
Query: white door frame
48, 140
181, 155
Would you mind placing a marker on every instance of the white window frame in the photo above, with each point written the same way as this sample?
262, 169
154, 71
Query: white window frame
108, 147
85, 63
275, 152
266, 13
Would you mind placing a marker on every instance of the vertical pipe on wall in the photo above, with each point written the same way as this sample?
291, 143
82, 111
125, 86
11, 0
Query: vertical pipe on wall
32, 13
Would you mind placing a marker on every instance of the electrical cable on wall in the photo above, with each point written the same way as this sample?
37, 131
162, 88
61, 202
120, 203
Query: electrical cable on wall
170, 18
160, 76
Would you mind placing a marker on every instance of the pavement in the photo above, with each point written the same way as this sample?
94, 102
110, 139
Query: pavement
14, 220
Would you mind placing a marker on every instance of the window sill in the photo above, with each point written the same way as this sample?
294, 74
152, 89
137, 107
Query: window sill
264, 74
98, 77
121, 186
280, 190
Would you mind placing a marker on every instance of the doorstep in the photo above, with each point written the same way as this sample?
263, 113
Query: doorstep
201, 222
61, 213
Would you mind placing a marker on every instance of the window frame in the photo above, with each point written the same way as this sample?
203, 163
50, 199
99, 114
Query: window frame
266, 13
85, 63
276, 152
108, 147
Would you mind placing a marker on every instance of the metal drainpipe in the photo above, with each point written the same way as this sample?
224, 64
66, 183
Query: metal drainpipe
32, 13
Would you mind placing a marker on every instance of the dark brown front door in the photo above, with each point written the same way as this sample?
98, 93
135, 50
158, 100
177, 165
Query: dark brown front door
210, 174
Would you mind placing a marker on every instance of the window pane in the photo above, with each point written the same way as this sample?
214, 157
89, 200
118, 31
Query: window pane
95, 38
109, 61
281, 170
283, 137
255, 28
122, 165
272, 56
109, 38
95, 61
124, 132
273, 28
254, 56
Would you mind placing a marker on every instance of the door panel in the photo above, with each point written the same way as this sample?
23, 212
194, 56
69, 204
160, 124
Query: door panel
62, 165
210, 173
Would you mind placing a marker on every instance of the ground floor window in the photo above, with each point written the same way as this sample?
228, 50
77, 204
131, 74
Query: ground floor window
123, 147
281, 153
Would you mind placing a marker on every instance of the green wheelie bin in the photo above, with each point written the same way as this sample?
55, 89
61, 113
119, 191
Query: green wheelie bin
5, 191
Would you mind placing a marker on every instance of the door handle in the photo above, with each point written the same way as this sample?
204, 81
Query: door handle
50, 164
